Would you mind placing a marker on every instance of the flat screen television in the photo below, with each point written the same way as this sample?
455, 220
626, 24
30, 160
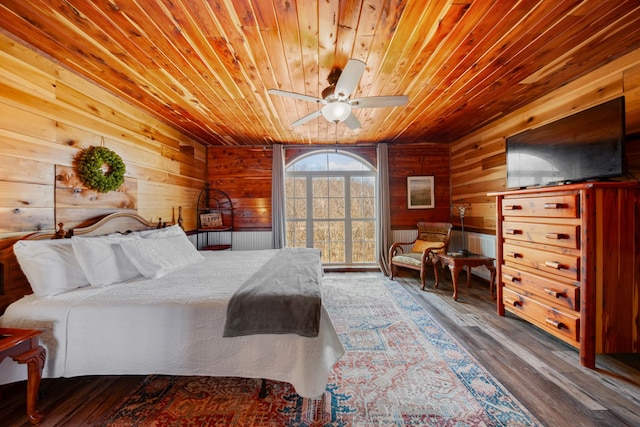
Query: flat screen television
588, 145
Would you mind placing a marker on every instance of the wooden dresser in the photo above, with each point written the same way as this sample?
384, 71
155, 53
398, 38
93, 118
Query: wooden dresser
568, 262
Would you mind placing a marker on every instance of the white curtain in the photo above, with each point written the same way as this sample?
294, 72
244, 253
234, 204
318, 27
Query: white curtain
277, 198
383, 223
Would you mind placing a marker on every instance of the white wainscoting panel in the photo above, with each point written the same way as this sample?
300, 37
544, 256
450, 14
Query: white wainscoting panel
252, 240
403, 236
241, 240
484, 244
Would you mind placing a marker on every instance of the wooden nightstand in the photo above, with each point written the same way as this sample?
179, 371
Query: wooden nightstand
23, 347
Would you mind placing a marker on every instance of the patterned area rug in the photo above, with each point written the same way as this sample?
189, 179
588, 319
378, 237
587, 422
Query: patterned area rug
400, 369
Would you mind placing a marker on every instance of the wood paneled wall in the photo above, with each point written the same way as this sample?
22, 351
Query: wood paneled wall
48, 114
478, 161
245, 175
418, 160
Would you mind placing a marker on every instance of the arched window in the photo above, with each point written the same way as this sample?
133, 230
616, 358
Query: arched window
330, 205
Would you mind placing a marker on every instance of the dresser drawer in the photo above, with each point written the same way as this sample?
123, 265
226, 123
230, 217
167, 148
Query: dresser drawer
564, 325
550, 262
563, 294
565, 206
561, 235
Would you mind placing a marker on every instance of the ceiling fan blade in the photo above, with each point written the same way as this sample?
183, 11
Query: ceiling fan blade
352, 121
296, 95
307, 118
379, 101
349, 78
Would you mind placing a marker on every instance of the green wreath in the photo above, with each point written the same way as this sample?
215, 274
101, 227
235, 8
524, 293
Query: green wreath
91, 162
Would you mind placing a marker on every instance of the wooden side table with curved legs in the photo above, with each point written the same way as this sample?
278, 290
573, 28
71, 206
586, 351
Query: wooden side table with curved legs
457, 263
23, 347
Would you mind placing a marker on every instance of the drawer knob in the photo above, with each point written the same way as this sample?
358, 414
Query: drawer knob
510, 278
556, 236
554, 205
555, 323
555, 293
512, 231
553, 264
513, 255
512, 207
513, 302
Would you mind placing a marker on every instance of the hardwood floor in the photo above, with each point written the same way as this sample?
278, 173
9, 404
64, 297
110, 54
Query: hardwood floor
541, 371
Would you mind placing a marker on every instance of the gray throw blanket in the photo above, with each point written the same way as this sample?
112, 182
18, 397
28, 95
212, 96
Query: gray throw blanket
282, 297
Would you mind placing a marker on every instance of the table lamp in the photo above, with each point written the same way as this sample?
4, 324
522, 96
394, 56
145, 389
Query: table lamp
462, 205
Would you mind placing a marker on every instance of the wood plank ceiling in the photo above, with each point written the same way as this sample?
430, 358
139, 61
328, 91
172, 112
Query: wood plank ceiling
204, 66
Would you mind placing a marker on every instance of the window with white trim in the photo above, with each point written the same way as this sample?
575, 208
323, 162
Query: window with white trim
330, 205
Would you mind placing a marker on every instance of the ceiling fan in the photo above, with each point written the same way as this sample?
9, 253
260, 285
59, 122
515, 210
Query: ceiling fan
335, 98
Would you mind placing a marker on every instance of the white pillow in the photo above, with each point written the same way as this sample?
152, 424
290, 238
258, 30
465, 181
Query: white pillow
157, 257
102, 259
160, 233
50, 266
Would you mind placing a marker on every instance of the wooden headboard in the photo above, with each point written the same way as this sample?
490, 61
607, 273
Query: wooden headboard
119, 222
13, 283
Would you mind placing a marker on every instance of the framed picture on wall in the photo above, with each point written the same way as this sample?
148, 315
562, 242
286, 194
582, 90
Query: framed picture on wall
421, 192
211, 220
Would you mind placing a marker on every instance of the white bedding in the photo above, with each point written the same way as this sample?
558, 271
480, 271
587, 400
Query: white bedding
169, 325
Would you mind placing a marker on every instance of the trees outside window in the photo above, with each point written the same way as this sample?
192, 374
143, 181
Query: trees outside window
330, 205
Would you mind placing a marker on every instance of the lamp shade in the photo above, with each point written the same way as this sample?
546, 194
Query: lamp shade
336, 111
461, 205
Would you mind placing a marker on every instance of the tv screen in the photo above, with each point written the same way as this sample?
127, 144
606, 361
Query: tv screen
584, 146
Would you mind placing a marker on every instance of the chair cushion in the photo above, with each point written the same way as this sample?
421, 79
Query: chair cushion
409, 258
421, 245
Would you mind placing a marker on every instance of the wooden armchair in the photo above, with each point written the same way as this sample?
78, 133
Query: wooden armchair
433, 238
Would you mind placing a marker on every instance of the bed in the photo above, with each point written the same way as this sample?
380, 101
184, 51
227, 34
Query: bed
171, 322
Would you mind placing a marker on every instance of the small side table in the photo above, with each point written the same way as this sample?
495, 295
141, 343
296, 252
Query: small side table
458, 262
23, 347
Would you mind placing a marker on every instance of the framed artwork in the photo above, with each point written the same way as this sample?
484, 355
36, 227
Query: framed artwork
211, 220
421, 192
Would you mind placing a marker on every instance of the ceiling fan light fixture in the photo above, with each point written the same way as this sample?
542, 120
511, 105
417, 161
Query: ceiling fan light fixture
336, 111
336, 97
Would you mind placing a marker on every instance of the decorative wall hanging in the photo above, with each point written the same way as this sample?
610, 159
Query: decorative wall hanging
420, 192
100, 169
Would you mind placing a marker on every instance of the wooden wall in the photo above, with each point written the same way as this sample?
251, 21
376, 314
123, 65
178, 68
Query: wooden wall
478, 161
418, 160
244, 173
48, 114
